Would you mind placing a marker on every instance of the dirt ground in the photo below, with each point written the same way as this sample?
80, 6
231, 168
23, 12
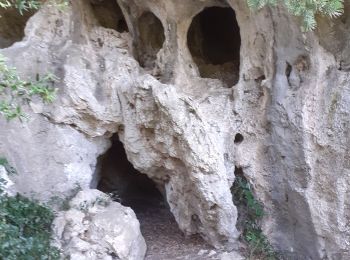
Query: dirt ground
164, 239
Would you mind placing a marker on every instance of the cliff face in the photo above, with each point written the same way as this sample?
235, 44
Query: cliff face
188, 109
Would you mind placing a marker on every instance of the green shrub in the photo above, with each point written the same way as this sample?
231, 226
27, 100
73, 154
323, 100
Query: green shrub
25, 228
250, 212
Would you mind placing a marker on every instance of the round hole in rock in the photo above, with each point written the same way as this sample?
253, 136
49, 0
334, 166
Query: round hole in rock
117, 176
238, 138
214, 41
109, 15
12, 25
151, 39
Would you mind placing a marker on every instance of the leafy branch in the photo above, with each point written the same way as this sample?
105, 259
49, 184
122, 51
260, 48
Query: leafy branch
14, 91
27, 5
305, 9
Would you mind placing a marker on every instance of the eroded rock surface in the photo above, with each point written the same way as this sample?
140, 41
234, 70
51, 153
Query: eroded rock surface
95, 227
290, 105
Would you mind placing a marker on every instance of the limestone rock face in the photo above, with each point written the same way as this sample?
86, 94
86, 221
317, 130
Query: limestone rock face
290, 104
95, 227
103, 90
39, 149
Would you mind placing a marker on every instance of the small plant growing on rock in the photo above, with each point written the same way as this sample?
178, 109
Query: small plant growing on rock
14, 91
250, 212
100, 201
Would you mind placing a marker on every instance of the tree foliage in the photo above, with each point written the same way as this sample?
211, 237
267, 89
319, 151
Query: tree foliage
305, 9
21, 5
26, 5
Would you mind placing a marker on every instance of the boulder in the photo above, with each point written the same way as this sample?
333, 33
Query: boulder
95, 227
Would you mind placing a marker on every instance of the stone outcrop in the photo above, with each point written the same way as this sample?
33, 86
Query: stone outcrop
95, 227
290, 108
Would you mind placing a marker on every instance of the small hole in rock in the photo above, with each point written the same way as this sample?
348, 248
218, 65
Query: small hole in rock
238, 138
109, 15
12, 25
214, 41
151, 39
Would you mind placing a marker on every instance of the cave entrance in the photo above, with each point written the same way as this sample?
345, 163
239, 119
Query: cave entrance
128, 186
12, 25
117, 176
214, 41
109, 15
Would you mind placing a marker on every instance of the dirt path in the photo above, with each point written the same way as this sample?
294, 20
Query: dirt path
164, 239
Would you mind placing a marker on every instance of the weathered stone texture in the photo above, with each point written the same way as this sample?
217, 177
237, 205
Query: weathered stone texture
95, 227
291, 104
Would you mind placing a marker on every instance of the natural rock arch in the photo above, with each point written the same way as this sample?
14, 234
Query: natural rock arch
214, 42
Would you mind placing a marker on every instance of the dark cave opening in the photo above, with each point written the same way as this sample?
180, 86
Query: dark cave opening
118, 177
12, 25
109, 15
214, 41
151, 39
